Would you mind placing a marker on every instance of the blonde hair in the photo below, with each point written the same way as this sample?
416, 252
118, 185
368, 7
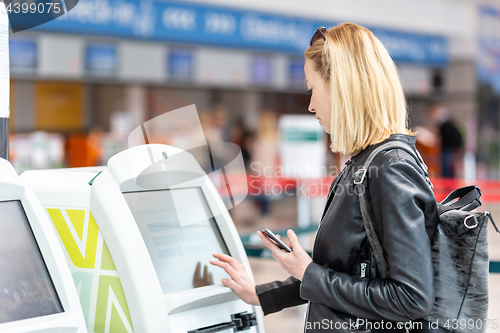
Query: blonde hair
367, 99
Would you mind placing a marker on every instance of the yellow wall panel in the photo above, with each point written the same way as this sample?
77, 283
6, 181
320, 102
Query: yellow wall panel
59, 106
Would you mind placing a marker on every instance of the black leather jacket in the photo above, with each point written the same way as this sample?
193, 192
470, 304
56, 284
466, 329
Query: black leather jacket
342, 283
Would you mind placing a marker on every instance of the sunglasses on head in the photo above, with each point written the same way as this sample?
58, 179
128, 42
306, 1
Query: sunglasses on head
320, 33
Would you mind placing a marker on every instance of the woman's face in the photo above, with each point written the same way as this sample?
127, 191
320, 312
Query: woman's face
320, 100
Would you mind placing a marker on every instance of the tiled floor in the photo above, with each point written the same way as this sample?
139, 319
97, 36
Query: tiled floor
292, 319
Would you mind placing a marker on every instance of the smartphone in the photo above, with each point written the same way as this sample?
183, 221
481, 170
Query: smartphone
269, 234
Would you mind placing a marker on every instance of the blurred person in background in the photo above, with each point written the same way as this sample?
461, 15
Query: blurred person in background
216, 132
450, 139
357, 96
243, 138
216, 129
265, 152
246, 212
428, 146
265, 145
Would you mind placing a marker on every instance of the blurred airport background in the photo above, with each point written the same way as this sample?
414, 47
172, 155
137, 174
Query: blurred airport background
81, 83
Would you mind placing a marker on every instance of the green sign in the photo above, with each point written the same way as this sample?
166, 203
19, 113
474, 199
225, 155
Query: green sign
300, 135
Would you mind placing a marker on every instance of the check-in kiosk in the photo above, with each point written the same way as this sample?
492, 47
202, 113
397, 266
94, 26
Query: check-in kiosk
37, 293
138, 235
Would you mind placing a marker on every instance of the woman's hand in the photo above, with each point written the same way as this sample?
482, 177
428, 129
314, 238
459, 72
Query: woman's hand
295, 262
240, 282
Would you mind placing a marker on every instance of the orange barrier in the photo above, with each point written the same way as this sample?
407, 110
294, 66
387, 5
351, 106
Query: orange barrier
490, 190
314, 187
83, 150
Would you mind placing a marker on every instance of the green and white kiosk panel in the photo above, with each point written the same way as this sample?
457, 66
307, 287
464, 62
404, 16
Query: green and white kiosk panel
159, 218
37, 293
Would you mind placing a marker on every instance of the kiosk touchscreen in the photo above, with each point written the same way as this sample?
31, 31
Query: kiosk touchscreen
37, 293
152, 219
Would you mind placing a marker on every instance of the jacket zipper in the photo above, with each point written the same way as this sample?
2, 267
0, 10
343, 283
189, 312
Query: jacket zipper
341, 174
363, 269
344, 171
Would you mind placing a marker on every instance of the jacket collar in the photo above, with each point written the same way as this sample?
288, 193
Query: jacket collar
409, 139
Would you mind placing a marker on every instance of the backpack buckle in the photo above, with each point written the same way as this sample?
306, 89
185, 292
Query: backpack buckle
360, 173
471, 226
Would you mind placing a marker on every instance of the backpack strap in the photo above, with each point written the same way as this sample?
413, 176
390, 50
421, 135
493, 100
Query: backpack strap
468, 199
361, 173
360, 189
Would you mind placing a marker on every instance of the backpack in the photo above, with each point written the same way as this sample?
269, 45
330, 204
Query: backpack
459, 252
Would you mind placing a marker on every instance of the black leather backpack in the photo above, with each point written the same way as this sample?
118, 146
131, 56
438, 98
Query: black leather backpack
459, 251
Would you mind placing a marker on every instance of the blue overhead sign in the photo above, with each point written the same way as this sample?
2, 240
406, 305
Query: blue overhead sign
414, 48
488, 61
186, 22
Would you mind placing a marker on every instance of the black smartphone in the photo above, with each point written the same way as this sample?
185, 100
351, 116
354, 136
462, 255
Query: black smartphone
269, 234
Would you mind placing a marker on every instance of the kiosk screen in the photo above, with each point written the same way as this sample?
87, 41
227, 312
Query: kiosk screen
180, 235
26, 289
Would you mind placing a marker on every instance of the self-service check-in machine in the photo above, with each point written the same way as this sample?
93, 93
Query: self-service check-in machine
138, 235
37, 293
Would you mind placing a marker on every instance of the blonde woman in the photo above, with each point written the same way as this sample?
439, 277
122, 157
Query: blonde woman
357, 97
